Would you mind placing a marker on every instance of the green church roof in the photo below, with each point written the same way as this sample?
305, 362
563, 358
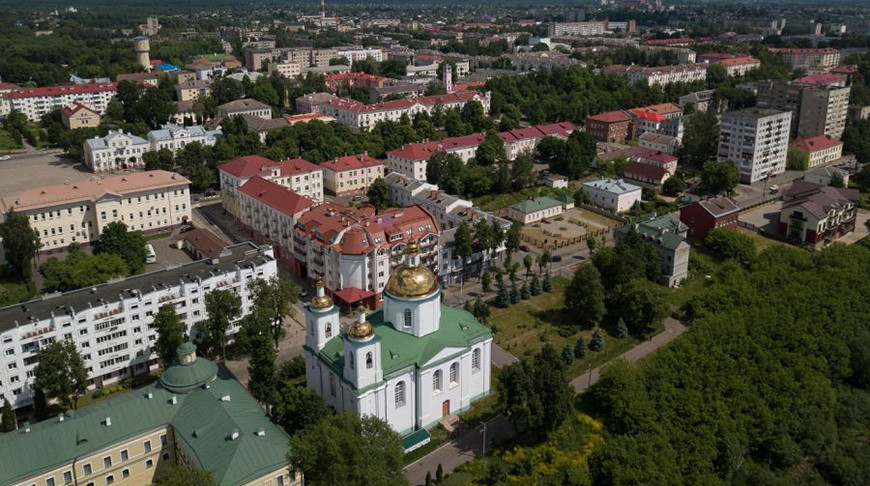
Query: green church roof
181, 378
537, 204
203, 423
400, 350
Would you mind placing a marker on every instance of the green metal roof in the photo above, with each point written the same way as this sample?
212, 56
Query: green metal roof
415, 439
400, 350
181, 378
201, 420
536, 204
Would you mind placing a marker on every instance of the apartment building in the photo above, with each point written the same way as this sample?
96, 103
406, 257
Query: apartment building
700, 100
299, 175
359, 116
79, 115
111, 323
663, 118
269, 211
817, 109
819, 150
814, 215
334, 82
658, 142
576, 29
663, 76
37, 102
614, 194
810, 60
245, 106
610, 127
352, 174
174, 137
756, 139
116, 151
193, 90
77, 212
651, 168
738, 65
358, 53
286, 69
355, 250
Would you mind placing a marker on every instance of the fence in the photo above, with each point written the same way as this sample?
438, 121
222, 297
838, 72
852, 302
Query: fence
602, 212
558, 242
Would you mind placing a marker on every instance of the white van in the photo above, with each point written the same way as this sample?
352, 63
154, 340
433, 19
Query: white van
150, 256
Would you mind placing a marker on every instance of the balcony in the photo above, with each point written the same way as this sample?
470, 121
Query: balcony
109, 313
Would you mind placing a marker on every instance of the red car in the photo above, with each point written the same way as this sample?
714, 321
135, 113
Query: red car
524, 247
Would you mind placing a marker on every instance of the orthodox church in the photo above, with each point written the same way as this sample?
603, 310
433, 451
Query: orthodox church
410, 363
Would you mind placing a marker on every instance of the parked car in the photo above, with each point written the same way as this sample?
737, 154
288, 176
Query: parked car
150, 254
774, 189
556, 258
5, 157
357, 198
303, 293
524, 247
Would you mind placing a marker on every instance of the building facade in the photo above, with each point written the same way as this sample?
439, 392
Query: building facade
116, 151
668, 235
37, 102
819, 150
77, 212
663, 76
245, 107
351, 175
529, 211
705, 215
300, 176
756, 139
610, 127
79, 116
814, 216
810, 60
614, 194
174, 137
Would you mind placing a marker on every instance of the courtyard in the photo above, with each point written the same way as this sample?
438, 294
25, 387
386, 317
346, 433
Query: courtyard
570, 228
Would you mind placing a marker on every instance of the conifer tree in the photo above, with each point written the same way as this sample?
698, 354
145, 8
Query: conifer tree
580, 349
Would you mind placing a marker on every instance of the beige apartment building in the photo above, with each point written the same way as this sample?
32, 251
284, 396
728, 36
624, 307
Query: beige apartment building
193, 90
77, 212
351, 175
287, 69
823, 111
79, 115
195, 415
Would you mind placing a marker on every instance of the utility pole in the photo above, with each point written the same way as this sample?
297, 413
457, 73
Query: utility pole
590, 375
484, 439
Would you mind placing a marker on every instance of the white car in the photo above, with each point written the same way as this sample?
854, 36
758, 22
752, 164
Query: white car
5, 157
774, 189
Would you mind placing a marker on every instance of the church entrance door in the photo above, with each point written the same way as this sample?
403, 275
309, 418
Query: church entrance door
445, 408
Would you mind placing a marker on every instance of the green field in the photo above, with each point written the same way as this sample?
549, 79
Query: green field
7, 143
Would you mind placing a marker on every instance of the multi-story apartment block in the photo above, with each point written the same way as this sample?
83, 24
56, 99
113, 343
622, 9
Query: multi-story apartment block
352, 174
817, 109
756, 139
700, 100
663, 76
575, 29
814, 215
525, 140
111, 323
352, 80
115, 151
286, 69
810, 60
668, 234
355, 250
79, 116
36, 102
738, 65
270, 211
358, 53
174, 137
300, 176
245, 106
819, 150
77, 212
193, 90
610, 127
358, 116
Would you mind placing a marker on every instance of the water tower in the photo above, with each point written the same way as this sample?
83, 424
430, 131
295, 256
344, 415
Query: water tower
141, 47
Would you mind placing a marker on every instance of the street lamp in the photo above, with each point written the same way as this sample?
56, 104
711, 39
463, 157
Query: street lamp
589, 366
484, 439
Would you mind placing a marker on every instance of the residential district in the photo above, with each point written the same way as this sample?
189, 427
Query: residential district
427, 244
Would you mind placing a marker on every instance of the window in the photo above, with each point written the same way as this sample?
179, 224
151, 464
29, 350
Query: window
436, 382
407, 318
149, 464
328, 330
369, 362
475, 361
454, 373
350, 360
110, 479
125, 473
332, 384
400, 394
86, 470
49, 482
165, 456
147, 445
107, 462
280, 480
125, 455
163, 440
67, 477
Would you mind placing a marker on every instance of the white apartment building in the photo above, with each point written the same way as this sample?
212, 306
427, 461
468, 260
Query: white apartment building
614, 194
175, 137
575, 29
116, 151
110, 323
739, 66
354, 54
665, 75
756, 139
810, 60
358, 116
36, 102
77, 212
299, 175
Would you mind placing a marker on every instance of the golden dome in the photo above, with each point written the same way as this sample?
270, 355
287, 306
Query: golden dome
321, 300
412, 279
361, 329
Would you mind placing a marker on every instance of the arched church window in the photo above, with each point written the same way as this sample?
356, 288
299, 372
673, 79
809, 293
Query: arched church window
436, 381
369, 362
454, 373
400, 394
407, 318
475, 361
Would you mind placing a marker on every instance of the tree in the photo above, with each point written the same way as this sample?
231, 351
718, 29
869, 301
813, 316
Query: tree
521, 172
673, 186
535, 286
528, 261
716, 75
20, 243
346, 449
80, 269
514, 293
837, 180
261, 367
428, 478
701, 139
170, 333
40, 404
222, 306
568, 354
501, 297
729, 244
621, 328
439, 474
185, 476
8, 423
154, 107
512, 238
491, 151
597, 342
486, 281
797, 159
339, 61
584, 297
379, 194
718, 177
580, 349
463, 243
641, 304
274, 300
116, 239
547, 284
524, 292
61, 373
480, 310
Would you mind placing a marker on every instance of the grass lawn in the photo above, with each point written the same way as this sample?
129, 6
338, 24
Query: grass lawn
13, 290
438, 437
158, 236
761, 241
483, 409
524, 328
7, 142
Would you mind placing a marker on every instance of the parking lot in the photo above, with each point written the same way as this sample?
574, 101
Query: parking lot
764, 217
168, 254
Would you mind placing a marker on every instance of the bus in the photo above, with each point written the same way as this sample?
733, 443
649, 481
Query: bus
150, 256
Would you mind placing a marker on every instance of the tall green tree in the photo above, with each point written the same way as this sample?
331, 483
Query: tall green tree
274, 300
117, 239
512, 238
61, 373
261, 368
491, 151
80, 269
346, 449
701, 139
584, 297
296, 408
463, 242
379, 194
222, 306
170, 333
8, 423
641, 304
20, 243
718, 177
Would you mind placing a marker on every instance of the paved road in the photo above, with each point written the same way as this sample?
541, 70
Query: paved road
501, 358
288, 348
673, 328
464, 448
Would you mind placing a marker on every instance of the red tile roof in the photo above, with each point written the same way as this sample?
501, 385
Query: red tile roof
292, 167
657, 156
352, 295
354, 76
354, 106
75, 108
204, 241
276, 196
645, 114
9, 86
845, 69
350, 162
610, 117
823, 79
814, 144
792, 50
416, 151
61, 90
636, 170
247, 166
